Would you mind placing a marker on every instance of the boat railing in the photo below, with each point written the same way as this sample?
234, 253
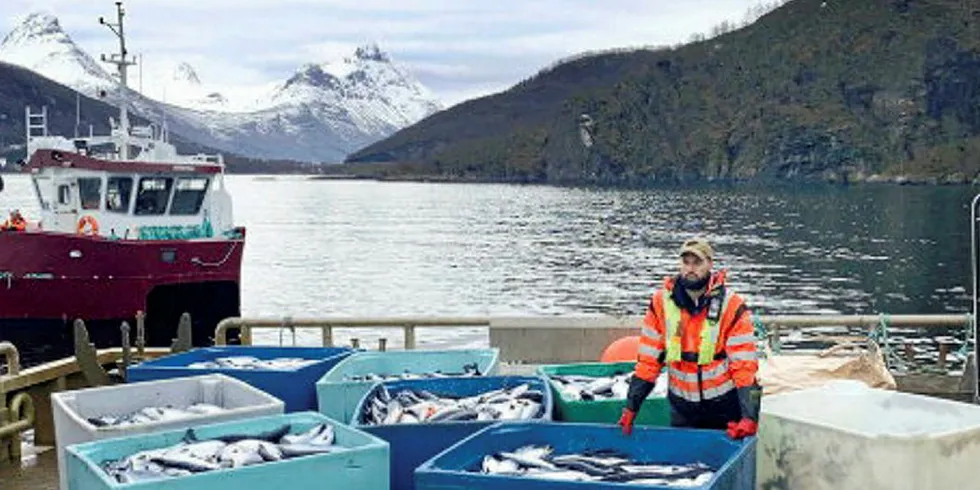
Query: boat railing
327, 325
509, 330
11, 358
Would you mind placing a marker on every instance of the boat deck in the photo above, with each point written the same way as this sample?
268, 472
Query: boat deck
38, 471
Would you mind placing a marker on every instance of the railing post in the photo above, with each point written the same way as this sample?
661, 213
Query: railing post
355, 342
326, 332
140, 335
943, 351
409, 336
127, 355
382, 344
287, 323
975, 269
245, 334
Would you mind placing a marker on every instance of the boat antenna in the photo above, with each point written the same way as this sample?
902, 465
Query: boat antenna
122, 63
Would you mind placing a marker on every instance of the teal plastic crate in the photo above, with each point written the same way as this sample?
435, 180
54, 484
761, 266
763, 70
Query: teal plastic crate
337, 397
364, 466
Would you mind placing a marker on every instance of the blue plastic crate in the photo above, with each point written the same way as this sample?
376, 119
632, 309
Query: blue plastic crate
363, 466
295, 387
413, 444
452, 469
337, 397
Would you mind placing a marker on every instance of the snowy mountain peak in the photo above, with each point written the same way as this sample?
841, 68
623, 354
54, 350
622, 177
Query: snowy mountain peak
37, 26
313, 75
40, 44
185, 73
371, 52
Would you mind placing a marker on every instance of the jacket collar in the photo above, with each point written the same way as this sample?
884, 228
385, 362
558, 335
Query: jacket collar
716, 286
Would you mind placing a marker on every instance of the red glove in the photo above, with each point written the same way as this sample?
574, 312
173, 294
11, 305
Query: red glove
743, 428
626, 421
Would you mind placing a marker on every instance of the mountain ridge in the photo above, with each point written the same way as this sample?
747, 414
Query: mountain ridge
327, 123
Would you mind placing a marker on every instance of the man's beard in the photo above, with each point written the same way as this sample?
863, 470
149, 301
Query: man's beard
693, 284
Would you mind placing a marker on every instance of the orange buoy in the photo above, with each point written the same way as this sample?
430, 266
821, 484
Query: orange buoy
623, 349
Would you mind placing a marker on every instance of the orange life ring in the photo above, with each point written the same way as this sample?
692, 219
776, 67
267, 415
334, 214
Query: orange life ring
622, 350
91, 223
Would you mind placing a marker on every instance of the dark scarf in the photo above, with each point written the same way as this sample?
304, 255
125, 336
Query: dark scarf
684, 300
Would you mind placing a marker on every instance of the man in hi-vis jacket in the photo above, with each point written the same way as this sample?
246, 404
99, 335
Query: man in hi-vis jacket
701, 332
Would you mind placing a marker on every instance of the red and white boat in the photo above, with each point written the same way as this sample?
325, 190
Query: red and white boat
127, 224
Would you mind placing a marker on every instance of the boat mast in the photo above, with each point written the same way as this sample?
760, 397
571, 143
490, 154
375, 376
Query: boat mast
121, 64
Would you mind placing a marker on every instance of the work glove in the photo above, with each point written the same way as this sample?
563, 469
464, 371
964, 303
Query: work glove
626, 421
743, 428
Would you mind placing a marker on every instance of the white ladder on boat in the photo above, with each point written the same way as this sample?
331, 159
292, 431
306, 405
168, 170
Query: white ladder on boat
36, 121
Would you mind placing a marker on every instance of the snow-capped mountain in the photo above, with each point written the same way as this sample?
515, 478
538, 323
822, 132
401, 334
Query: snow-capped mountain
321, 113
177, 83
379, 94
40, 44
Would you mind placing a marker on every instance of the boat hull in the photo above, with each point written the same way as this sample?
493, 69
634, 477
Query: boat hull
47, 280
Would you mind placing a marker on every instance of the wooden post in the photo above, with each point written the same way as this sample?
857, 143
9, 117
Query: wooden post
943, 351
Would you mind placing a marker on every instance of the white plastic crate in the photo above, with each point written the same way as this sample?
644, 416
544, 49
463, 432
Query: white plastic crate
846, 435
72, 409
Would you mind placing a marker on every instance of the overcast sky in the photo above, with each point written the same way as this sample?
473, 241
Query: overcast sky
457, 48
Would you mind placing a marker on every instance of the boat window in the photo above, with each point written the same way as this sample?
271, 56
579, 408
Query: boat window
90, 192
117, 194
154, 192
188, 195
64, 194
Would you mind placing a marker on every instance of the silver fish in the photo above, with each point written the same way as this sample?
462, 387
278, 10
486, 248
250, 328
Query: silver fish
411, 407
591, 388
599, 466
250, 362
154, 414
192, 455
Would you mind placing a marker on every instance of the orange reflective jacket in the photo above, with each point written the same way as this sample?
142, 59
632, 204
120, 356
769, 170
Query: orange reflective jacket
735, 360
15, 224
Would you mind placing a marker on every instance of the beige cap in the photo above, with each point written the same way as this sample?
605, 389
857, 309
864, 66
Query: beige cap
699, 247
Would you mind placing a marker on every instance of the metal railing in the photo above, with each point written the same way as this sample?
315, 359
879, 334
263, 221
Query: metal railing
774, 324
408, 325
